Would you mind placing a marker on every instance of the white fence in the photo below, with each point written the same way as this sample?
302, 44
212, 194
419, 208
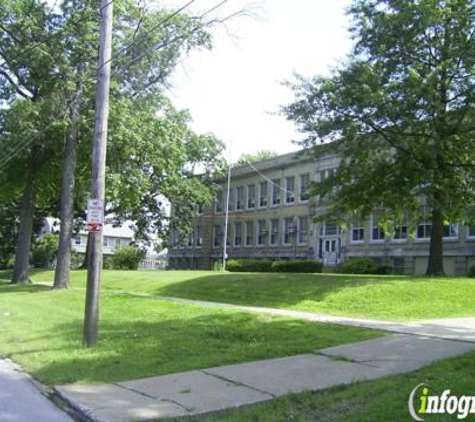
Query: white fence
153, 264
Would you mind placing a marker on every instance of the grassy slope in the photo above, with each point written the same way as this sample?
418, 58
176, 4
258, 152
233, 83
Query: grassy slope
381, 400
42, 330
381, 297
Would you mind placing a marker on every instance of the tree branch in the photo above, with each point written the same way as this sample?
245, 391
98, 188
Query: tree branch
24, 93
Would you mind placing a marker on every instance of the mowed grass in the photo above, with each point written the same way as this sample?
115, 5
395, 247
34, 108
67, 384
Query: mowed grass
397, 298
385, 399
41, 329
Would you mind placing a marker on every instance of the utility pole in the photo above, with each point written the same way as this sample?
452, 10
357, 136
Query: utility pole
98, 172
226, 219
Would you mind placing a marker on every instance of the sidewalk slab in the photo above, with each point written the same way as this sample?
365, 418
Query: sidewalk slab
109, 402
20, 400
399, 353
296, 373
197, 391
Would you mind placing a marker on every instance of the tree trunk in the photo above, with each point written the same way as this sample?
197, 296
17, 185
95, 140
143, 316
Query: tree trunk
85, 262
61, 276
435, 266
21, 271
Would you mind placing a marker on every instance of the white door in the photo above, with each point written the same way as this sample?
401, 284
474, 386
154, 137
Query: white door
330, 251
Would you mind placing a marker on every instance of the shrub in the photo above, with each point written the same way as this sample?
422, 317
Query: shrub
44, 251
471, 271
126, 258
76, 260
249, 265
218, 266
363, 265
297, 266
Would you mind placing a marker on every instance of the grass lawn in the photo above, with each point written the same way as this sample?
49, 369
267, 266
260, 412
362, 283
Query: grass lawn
139, 337
375, 401
379, 297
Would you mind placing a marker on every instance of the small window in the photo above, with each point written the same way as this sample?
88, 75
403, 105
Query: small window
400, 232
276, 192
289, 187
251, 197
357, 231
261, 233
105, 241
303, 230
77, 240
239, 198
199, 237
218, 236
451, 231
219, 203
238, 234
289, 231
377, 232
249, 233
424, 228
471, 231
263, 195
304, 187
274, 231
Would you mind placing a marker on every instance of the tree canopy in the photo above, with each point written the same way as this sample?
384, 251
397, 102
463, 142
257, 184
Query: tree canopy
400, 113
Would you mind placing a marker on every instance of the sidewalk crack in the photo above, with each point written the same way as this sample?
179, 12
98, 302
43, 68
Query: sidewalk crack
238, 383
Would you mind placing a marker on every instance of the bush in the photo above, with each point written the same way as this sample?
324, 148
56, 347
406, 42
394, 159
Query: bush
76, 260
297, 266
126, 258
44, 251
471, 271
266, 266
249, 266
362, 265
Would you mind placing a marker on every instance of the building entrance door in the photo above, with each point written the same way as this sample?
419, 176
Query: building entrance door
330, 251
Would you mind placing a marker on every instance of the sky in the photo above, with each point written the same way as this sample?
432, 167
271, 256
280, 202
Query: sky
235, 90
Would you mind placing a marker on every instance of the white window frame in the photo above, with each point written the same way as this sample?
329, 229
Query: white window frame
249, 245
276, 187
265, 235
289, 193
300, 231
457, 229
360, 227
236, 225
271, 226
289, 232
266, 196
248, 198
372, 227
240, 202
304, 201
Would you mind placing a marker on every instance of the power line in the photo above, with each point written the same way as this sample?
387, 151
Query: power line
269, 180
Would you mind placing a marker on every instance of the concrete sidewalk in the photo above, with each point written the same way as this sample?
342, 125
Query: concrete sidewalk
214, 389
21, 401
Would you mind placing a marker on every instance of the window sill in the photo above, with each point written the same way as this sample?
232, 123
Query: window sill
376, 242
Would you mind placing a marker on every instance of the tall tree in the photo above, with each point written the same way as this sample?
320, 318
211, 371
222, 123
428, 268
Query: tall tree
262, 155
400, 114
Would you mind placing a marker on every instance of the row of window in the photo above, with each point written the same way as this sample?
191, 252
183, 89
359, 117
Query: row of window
107, 241
401, 233
288, 231
194, 240
251, 196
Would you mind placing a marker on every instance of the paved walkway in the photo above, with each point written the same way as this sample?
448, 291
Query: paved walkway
21, 401
460, 329
214, 389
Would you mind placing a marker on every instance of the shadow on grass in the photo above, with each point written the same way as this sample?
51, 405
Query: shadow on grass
177, 339
268, 289
7, 287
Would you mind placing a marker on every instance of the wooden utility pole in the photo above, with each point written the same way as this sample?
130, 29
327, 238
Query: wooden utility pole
98, 171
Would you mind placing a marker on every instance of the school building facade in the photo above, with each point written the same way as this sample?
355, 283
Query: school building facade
271, 216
